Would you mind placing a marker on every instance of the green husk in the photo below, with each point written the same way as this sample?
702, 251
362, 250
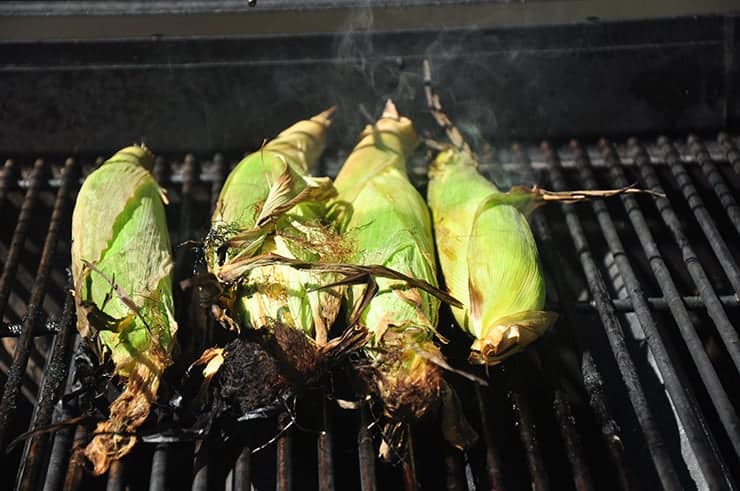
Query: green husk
271, 205
488, 257
388, 223
121, 265
487, 253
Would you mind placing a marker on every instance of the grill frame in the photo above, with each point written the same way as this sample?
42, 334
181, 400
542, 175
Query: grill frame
643, 72
551, 164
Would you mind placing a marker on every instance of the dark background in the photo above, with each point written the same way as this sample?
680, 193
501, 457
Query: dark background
67, 89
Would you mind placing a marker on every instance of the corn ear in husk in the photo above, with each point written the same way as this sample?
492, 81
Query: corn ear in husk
271, 205
388, 223
121, 265
487, 253
488, 257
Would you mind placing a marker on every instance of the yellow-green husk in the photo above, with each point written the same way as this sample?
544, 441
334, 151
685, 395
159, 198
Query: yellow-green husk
488, 257
120, 238
388, 224
270, 204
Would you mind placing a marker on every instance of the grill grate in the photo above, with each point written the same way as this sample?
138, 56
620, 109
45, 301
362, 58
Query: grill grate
636, 386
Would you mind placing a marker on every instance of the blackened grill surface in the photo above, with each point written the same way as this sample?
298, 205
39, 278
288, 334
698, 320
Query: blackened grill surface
637, 386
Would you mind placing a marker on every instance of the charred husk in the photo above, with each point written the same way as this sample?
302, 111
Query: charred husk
261, 371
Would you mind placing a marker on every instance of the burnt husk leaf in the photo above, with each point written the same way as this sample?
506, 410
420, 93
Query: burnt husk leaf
248, 381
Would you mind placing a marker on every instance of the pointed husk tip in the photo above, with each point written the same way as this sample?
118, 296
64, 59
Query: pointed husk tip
324, 117
136, 154
390, 110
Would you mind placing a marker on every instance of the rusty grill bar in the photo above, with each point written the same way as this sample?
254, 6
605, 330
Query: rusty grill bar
635, 387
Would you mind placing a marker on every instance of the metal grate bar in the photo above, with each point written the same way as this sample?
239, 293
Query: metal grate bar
691, 302
60, 450
656, 445
284, 453
324, 449
522, 412
593, 381
571, 439
23, 345
200, 466
454, 471
158, 475
733, 156
493, 461
75, 466
409, 464
366, 454
696, 271
675, 382
694, 344
703, 217
115, 476
19, 236
243, 470
9, 174
714, 178
59, 457
8, 330
55, 374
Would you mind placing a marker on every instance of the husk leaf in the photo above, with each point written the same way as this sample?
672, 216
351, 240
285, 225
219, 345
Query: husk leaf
270, 204
388, 223
488, 257
121, 265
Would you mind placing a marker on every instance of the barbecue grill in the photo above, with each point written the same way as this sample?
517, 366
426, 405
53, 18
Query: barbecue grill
636, 386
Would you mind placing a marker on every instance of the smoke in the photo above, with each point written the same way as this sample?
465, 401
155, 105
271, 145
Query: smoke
458, 66
371, 68
354, 48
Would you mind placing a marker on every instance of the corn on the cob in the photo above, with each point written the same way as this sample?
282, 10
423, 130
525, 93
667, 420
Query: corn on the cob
121, 265
488, 257
270, 204
388, 223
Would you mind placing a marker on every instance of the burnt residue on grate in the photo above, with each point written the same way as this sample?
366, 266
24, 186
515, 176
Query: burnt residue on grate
635, 387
